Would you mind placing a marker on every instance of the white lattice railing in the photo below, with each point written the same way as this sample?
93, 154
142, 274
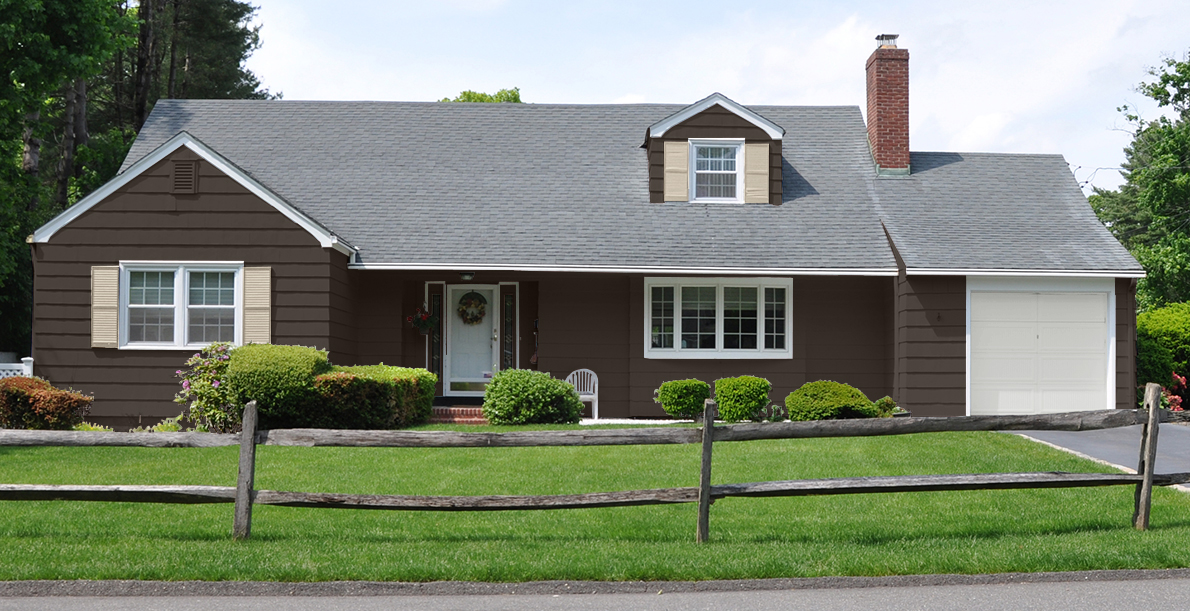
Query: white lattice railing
23, 368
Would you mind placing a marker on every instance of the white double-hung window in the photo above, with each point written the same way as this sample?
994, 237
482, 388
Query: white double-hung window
717, 170
180, 305
717, 318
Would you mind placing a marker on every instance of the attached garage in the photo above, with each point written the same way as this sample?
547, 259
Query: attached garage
1038, 348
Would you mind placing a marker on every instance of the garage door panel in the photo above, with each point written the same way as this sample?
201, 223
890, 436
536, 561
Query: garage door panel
1003, 401
1072, 400
1071, 370
1072, 307
1000, 336
1003, 306
1005, 370
1072, 336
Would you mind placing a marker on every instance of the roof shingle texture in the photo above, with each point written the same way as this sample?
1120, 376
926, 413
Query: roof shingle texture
567, 185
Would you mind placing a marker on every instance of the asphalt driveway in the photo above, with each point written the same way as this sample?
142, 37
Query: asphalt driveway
1122, 446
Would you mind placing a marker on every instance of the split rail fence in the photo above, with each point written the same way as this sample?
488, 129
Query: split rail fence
244, 495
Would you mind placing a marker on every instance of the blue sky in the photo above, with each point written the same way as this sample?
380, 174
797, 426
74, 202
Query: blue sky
1036, 77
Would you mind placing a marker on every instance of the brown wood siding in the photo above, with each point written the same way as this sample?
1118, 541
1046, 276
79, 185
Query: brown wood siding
930, 375
1126, 343
714, 122
144, 222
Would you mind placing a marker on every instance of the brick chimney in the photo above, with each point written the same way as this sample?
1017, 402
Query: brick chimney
888, 106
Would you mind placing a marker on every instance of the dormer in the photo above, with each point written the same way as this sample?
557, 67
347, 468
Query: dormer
715, 151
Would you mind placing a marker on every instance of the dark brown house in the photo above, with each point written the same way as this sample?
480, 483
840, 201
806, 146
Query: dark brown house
645, 242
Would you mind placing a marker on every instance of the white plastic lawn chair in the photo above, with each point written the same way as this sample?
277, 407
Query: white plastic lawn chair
587, 384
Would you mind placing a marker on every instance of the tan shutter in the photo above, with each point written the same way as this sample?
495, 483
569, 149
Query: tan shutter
105, 306
677, 172
756, 173
258, 305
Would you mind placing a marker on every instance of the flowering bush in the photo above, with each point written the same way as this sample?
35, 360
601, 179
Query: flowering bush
1172, 395
213, 404
423, 319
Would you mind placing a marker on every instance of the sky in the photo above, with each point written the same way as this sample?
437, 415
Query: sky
1020, 77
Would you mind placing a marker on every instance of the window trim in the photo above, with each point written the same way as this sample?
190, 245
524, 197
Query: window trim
719, 352
181, 304
738, 144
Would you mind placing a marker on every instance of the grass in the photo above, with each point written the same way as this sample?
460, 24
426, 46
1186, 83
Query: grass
881, 534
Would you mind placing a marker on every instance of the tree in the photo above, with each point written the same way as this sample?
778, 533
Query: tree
1150, 214
504, 95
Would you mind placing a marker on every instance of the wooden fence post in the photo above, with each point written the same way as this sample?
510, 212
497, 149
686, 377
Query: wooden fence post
704, 479
1148, 457
242, 526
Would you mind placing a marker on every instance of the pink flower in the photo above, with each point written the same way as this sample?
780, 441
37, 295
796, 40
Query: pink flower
215, 384
186, 384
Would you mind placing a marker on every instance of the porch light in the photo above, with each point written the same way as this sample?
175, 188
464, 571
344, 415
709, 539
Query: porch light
466, 276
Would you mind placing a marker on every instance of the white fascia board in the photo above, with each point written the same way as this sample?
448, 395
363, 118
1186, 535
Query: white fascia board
325, 238
1028, 273
658, 129
611, 269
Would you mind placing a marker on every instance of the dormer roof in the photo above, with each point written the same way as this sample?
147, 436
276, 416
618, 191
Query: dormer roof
659, 128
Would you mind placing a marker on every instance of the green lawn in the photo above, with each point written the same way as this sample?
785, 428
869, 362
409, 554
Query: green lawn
928, 532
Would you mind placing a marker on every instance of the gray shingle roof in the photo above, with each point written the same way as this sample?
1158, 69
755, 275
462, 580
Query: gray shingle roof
567, 185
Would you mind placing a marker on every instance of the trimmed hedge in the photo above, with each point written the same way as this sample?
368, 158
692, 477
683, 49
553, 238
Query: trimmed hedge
33, 403
1154, 363
827, 400
281, 380
682, 398
741, 398
377, 396
524, 396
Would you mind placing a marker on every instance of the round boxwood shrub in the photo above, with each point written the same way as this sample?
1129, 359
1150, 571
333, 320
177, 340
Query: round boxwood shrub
827, 400
524, 396
281, 380
683, 398
741, 398
1170, 327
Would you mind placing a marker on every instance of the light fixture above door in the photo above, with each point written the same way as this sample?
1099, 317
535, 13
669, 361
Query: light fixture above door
466, 276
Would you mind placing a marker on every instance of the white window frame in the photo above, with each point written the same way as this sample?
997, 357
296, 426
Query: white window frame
181, 270
738, 144
719, 352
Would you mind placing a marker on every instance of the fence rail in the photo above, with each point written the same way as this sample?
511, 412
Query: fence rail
244, 495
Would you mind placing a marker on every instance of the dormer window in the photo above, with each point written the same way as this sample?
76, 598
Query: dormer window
717, 170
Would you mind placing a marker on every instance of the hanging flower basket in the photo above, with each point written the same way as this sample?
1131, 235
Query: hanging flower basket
423, 320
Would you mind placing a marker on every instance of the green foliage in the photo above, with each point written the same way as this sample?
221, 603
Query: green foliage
281, 381
827, 400
1148, 214
524, 396
885, 407
1168, 326
411, 390
1154, 362
682, 398
741, 398
33, 403
214, 404
168, 425
504, 95
91, 427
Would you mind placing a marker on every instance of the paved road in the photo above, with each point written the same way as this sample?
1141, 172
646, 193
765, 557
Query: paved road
1151, 595
1122, 446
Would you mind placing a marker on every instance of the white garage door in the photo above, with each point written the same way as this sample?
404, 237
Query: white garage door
1038, 353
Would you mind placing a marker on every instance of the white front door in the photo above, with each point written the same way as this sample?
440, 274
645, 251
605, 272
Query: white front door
472, 338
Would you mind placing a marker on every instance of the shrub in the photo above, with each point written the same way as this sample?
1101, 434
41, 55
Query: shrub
33, 403
281, 381
885, 407
523, 396
683, 398
1154, 363
412, 390
827, 400
213, 403
169, 425
91, 426
741, 398
1170, 327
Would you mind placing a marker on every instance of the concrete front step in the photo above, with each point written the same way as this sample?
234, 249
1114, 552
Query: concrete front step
458, 415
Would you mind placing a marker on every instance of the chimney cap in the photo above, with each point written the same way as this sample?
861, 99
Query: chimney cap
887, 41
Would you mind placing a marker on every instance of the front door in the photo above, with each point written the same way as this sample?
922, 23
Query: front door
472, 313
